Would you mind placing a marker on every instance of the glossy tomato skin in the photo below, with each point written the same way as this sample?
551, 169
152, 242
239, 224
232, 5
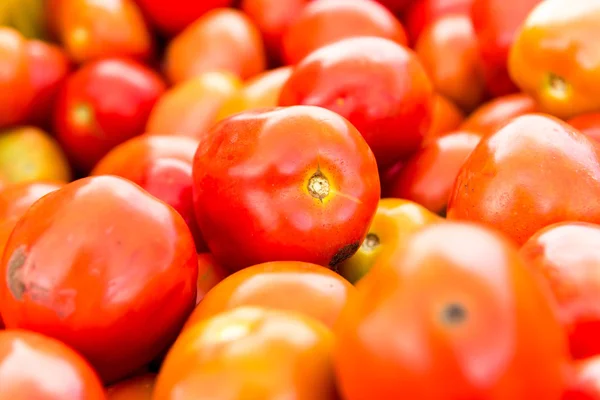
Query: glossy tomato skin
318, 292
492, 115
323, 22
588, 124
250, 352
137, 388
454, 304
517, 178
394, 220
568, 255
446, 117
162, 165
585, 384
269, 185
102, 105
132, 260
421, 13
428, 176
378, 85
223, 39
33, 366
497, 23
210, 273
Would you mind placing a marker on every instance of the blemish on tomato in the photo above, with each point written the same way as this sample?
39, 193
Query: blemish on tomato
344, 253
14, 273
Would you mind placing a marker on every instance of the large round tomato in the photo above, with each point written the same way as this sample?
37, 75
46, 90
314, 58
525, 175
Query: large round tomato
137, 388
103, 266
533, 172
296, 183
452, 313
251, 353
378, 85
421, 13
102, 105
33, 366
588, 124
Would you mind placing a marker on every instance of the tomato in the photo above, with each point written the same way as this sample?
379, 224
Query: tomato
497, 112
262, 91
533, 172
496, 24
251, 353
446, 117
102, 105
588, 124
318, 292
452, 313
26, 16
163, 166
428, 176
323, 22
173, 16
190, 108
396, 5
394, 221
586, 382
49, 66
33, 366
30, 154
296, 183
210, 273
376, 84
449, 53
221, 40
15, 86
554, 59
137, 388
95, 282
421, 13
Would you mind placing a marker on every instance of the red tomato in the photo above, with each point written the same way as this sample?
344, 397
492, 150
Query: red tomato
223, 39
446, 117
296, 183
376, 84
533, 172
452, 313
323, 22
137, 388
102, 105
586, 382
105, 267
33, 366
497, 112
318, 292
421, 13
588, 124
210, 273
428, 176
163, 166
496, 24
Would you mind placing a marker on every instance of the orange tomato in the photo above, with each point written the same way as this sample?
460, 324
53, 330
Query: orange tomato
251, 353
452, 313
91, 263
210, 273
223, 39
588, 124
533, 172
497, 112
137, 388
446, 117
192, 107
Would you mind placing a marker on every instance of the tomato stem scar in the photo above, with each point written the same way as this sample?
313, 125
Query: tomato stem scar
370, 242
454, 314
557, 85
318, 185
82, 114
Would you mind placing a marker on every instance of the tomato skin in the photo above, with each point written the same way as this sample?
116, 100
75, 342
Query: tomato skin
376, 84
79, 261
137, 388
421, 13
446, 118
586, 380
250, 352
90, 119
210, 273
588, 124
491, 116
516, 178
462, 300
287, 160
324, 22
223, 39
162, 165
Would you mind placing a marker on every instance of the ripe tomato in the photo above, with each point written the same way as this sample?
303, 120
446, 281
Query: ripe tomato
190, 108
422, 13
428, 176
252, 353
323, 22
210, 273
173, 16
137, 388
452, 313
15, 85
586, 381
554, 57
376, 84
589, 124
318, 292
446, 117
448, 51
95, 282
533, 172
102, 105
296, 183
568, 255
92, 29
497, 112
396, 5
221, 40
394, 220
163, 166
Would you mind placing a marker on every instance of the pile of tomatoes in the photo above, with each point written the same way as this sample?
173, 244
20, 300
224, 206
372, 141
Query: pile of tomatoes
299, 199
